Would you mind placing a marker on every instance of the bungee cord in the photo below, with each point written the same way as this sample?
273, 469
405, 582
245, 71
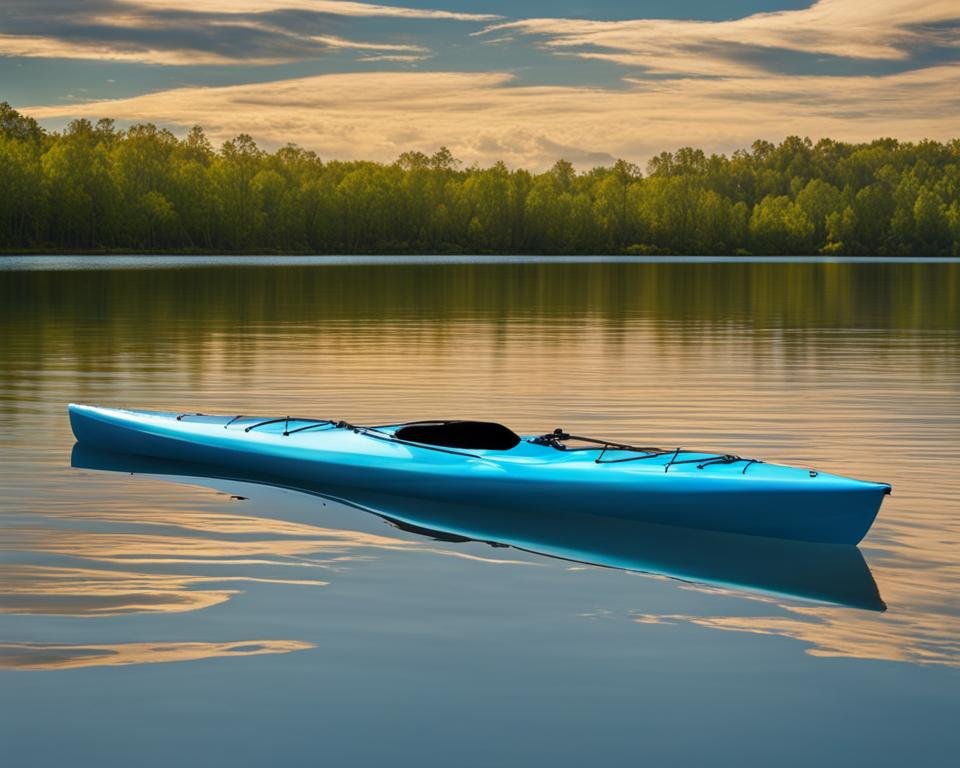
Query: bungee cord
557, 439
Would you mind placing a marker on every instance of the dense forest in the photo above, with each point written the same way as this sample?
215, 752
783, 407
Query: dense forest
96, 187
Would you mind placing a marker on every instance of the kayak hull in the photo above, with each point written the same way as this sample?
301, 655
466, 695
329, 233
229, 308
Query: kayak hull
760, 499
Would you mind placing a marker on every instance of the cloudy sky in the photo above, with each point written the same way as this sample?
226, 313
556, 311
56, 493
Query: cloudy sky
525, 82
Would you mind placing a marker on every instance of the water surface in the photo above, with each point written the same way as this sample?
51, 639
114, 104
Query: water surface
152, 622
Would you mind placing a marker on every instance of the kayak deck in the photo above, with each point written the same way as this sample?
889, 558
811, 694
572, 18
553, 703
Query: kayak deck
690, 488
548, 448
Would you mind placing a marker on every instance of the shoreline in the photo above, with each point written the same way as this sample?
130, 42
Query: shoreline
264, 253
68, 261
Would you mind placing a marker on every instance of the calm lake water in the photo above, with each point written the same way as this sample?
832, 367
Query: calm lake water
151, 620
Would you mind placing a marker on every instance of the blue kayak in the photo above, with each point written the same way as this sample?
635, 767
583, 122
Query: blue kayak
482, 464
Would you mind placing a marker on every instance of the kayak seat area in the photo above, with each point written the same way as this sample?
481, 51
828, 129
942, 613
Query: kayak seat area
476, 435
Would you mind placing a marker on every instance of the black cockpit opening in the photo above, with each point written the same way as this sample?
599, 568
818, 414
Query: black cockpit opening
476, 435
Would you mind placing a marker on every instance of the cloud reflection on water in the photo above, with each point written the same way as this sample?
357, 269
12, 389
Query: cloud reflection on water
830, 632
62, 591
40, 656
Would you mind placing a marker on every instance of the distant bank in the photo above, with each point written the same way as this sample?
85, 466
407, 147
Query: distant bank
94, 262
99, 190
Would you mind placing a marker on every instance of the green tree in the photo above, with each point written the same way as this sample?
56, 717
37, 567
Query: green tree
932, 224
81, 193
19, 127
22, 201
779, 226
818, 200
234, 171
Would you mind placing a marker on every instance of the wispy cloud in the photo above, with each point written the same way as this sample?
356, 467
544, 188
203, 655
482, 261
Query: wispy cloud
34, 46
181, 33
395, 57
484, 117
377, 51
880, 30
333, 7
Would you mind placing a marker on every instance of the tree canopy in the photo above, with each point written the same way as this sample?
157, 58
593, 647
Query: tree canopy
93, 186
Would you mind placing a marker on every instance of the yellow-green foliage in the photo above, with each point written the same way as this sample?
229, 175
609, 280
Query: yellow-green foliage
93, 186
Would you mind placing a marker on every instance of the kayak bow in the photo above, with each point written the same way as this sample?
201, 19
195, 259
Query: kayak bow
487, 465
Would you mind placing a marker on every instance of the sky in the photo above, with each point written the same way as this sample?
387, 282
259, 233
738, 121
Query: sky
523, 82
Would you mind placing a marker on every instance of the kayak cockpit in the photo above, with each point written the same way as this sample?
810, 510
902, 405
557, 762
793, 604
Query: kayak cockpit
469, 435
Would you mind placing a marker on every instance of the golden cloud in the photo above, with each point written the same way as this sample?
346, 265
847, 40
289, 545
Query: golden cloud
332, 7
881, 30
484, 117
35, 46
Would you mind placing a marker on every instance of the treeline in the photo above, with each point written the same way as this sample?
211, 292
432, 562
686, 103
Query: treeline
95, 187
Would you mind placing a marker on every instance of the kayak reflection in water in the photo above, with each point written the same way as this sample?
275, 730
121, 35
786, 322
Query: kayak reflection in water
829, 573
